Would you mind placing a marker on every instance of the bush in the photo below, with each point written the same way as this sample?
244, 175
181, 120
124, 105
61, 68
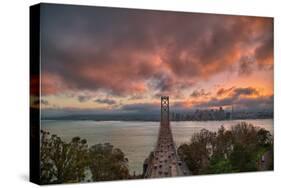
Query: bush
237, 150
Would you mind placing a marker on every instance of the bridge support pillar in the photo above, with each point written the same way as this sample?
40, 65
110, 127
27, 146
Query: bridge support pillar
165, 116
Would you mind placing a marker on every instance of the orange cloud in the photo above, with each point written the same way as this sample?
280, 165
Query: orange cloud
135, 53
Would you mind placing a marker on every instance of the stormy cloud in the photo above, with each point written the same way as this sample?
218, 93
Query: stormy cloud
119, 50
123, 60
83, 98
252, 104
106, 101
199, 93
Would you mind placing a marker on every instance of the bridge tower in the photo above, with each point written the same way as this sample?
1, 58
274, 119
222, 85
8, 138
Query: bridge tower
164, 161
165, 116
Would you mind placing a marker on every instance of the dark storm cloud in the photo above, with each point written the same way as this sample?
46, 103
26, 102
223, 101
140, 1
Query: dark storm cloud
260, 103
237, 92
257, 103
246, 65
244, 98
169, 85
83, 98
106, 101
119, 50
164, 83
224, 91
244, 91
141, 107
264, 53
199, 93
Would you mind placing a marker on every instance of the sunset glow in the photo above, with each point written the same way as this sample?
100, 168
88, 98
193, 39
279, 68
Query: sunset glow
107, 60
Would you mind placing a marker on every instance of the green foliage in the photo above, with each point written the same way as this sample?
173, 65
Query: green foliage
236, 150
243, 158
219, 165
197, 153
63, 162
264, 138
107, 163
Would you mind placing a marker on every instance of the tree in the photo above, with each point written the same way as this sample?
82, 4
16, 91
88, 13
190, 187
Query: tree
242, 158
62, 162
244, 133
235, 150
219, 165
197, 153
107, 163
223, 143
264, 137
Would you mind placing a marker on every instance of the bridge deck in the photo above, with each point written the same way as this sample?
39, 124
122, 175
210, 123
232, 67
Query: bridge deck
164, 161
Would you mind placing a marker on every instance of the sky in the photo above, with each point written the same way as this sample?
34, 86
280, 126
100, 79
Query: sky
109, 60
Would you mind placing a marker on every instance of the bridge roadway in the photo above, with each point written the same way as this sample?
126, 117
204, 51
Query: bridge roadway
164, 161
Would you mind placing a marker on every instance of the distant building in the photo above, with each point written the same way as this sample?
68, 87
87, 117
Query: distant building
201, 115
